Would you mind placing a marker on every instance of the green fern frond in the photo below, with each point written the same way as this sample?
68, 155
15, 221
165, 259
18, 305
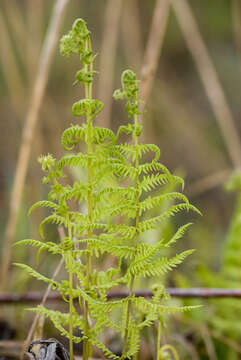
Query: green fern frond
74, 160
151, 202
103, 320
109, 354
30, 242
162, 266
146, 306
124, 171
59, 319
87, 106
142, 149
172, 211
133, 340
77, 192
52, 219
105, 306
152, 181
126, 231
178, 235
150, 319
50, 246
72, 136
43, 203
37, 275
99, 247
100, 135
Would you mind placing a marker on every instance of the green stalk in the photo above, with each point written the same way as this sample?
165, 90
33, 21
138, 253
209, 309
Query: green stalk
158, 351
87, 349
137, 185
171, 349
71, 305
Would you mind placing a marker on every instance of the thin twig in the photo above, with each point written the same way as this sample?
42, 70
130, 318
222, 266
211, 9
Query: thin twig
28, 133
36, 297
107, 59
209, 78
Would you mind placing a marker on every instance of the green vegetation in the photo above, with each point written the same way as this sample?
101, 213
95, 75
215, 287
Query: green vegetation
108, 212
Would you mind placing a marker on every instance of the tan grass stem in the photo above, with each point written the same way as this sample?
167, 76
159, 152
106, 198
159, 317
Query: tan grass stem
209, 78
107, 59
28, 133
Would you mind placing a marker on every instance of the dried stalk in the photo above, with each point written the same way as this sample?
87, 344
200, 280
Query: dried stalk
236, 23
33, 48
209, 78
28, 133
17, 27
131, 34
10, 66
153, 48
107, 59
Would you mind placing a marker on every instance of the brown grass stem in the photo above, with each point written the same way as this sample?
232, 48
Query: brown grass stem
10, 66
131, 34
28, 133
153, 49
209, 78
107, 59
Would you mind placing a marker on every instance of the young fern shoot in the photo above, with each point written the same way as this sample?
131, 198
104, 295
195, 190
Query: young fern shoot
99, 197
96, 163
143, 178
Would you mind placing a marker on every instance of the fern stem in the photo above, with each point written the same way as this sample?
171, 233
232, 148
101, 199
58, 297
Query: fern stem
87, 349
137, 186
158, 352
70, 296
169, 348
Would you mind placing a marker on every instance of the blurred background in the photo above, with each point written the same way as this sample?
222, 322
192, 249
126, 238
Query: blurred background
187, 55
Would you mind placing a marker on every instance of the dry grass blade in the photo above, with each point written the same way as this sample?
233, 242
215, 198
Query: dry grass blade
35, 22
17, 27
107, 58
28, 133
209, 78
10, 66
153, 48
131, 33
236, 22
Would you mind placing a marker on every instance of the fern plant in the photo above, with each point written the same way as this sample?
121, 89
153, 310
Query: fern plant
97, 163
147, 260
119, 182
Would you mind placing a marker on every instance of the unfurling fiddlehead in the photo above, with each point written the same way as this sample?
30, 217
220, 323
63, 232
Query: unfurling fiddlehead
100, 197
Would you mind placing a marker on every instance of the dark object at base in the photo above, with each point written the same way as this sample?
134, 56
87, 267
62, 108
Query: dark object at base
50, 349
